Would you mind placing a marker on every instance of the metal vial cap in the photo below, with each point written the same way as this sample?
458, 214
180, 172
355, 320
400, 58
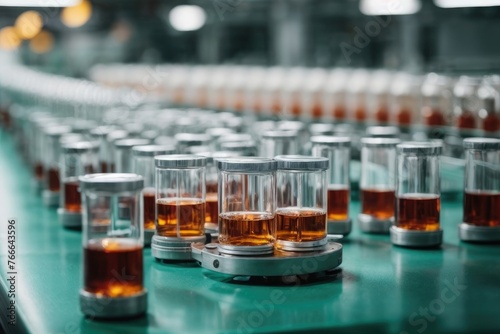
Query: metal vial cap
180, 161
152, 150
334, 141
420, 148
131, 142
192, 138
482, 143
301, 162
380, 142
111, 182
280, 134
80, 147
383, 131
247, 164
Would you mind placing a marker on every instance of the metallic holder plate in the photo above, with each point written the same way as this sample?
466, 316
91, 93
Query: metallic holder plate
179, 249
69, 219
246, 250
50, 198
408, 238
368, 224
281, 263
148, 235
339, 227
468, 232
307, 246
120, 307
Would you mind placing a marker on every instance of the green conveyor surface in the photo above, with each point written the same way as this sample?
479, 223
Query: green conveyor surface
378, 288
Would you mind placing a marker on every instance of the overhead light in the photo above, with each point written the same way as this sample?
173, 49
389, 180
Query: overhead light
76, 16
466, 3
38, 3
187, 17
389, 7
28, 24
9, 40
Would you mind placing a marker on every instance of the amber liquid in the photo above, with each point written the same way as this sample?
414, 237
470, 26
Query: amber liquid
53, 179
246, 228
72, 198
296, 108
382, 114
103, 167
339, 112
88, 169
418, 212
317, 110
403, 117
191, 213
149, 209
300, 225
113, 267
466, 121
482, 208
432, 116
491, 123
212, 209
377, 203
338, 204
38, 169
360, 114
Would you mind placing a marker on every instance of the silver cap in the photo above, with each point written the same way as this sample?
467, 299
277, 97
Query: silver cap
80, 147
131, 142
116, 135
112, 182
180, 161
333, 141
380, 142
102, 131
152, 150
280, 134
383, 131
482, 144
301, 162
247, 164
192, 139
57, 130
420, 148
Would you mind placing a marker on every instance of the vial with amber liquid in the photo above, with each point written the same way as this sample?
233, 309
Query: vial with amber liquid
301, 202
481, 218
377, 184
78, 159
338, 151
143, 163
418, 199
113, 271
180, 205
247, 204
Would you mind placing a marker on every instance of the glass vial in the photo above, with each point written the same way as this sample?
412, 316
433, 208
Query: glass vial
180, 205
481, 219
301, 202
112, 246
418, 198
78, 159
377, 184
247, 204
278, 142
143, 163
338, 151
123, 153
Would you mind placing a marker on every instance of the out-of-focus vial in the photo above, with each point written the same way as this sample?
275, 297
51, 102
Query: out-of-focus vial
377, 184
378, 96
357, 86
301, 202
481, 219
180, 205
489, 113
418, 199
436, 100
112, 249
247, 204
51, 163
278, 142
186, 140
383, 132
100, 135
109, 150
143, 163
240, 149
232, 138
467, 103
78, 159
334, 94
123, 153
404, 97
337, 151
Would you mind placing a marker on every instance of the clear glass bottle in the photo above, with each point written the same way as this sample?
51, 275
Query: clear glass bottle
113, 273
418, 195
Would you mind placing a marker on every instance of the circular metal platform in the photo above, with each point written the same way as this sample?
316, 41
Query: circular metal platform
280, 263
119, 307
50, 198
468, 232
368, 224
307, 246
339, 227
179, 249
417, 239
69, 219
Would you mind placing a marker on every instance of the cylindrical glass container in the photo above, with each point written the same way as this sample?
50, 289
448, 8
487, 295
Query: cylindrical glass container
278, 142
109, 150
301, 202
242, 148
180, 205
418, 195
377, 184
100, 135
186, 140
123, 153
112, 251
78, 158
247, 204
143, 163
481, 219
51, 163
338, 151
